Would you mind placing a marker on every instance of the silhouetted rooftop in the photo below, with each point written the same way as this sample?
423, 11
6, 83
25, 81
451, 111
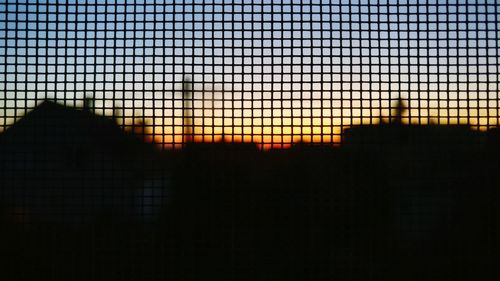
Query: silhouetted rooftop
54, 129
414, 135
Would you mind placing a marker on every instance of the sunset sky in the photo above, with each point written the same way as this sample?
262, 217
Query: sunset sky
258, 71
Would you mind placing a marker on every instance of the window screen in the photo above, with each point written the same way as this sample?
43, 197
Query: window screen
268, 73
196, 139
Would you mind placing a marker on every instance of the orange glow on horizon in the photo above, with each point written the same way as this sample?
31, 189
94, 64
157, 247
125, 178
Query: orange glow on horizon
284, 137
283, 132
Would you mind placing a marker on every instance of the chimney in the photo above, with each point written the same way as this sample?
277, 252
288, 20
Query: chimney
399, 109
89, 104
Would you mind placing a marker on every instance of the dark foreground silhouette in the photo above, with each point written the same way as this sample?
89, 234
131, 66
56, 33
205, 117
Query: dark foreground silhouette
81, 200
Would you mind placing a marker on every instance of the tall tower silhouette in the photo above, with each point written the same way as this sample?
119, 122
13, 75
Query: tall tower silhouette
187, 124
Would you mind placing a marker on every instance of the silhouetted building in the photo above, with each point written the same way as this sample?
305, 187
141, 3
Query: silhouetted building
394, 201
60, 163
427, 181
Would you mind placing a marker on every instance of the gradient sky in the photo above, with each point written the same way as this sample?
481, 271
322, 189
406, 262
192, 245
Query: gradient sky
262, 71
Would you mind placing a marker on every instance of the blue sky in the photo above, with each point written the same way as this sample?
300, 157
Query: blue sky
344, 61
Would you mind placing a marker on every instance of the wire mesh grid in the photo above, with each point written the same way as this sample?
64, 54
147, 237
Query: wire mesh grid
272, 73
131, 138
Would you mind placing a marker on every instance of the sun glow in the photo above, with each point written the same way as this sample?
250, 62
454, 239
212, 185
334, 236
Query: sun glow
315, 130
